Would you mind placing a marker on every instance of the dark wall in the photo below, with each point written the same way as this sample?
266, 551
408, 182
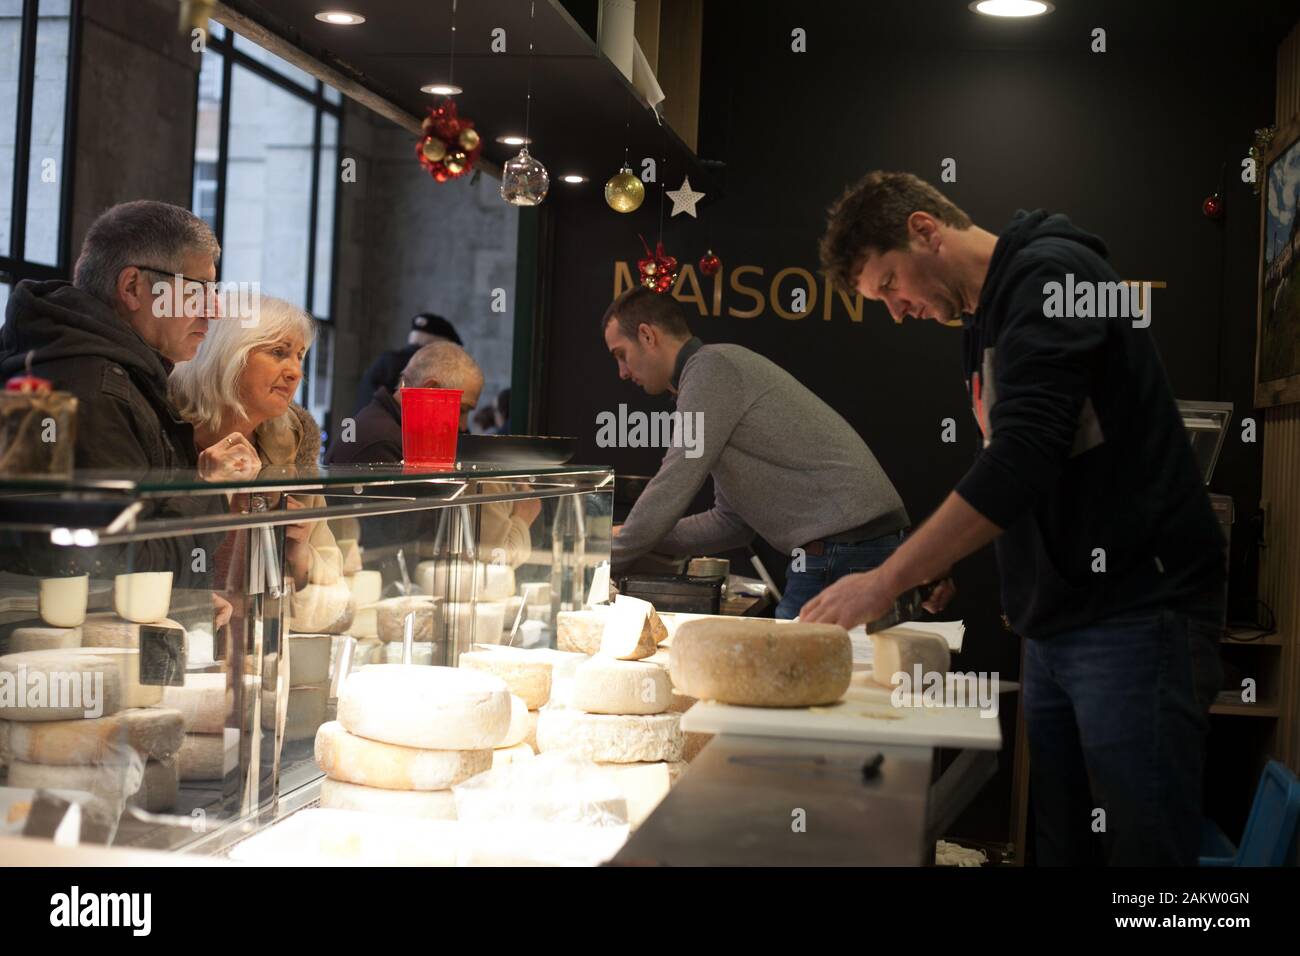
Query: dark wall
1127, 143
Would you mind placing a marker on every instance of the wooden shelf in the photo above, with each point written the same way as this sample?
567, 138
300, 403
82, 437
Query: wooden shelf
1248, 636
1264, 709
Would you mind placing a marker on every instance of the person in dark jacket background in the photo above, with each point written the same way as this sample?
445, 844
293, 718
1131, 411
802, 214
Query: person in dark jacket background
1111, 561
426, 328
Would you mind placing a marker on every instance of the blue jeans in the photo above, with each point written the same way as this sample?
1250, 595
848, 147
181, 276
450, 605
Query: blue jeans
1117, 714
820, 571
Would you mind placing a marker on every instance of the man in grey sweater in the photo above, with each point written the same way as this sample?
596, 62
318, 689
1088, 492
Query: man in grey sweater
785, 466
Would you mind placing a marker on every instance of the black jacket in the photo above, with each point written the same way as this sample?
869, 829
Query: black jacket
1085, 455
384, 373
124, 419
378, 434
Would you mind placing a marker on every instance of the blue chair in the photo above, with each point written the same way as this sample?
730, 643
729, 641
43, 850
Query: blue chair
1270, 837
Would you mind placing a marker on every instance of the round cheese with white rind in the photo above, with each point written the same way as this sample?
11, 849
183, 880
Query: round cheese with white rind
607, 738
436, 708
605, 686
526, 674
69, 684
520, 723
428, 804
370, 763
752, 662
155, 733
43, 639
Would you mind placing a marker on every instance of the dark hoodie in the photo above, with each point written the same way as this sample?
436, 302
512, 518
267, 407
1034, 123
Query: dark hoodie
1084, 447
125, 421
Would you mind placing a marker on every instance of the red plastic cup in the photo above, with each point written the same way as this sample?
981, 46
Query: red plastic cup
430, 424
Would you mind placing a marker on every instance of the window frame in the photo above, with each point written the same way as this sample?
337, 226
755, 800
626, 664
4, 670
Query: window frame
14, 266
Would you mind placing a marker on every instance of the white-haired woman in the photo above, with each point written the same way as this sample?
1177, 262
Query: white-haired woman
241, 383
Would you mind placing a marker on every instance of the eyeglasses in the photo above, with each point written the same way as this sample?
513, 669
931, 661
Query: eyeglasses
210, 287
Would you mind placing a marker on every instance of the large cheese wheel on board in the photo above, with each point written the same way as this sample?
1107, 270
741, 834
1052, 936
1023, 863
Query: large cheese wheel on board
62, 601
208, 756
579, 632
528, 676
604, 686
370, 763
43, 639
899, 651
761, 663
143, 597
204, 702
155, 733
390, 617
607, 738
437, 708
429, 804
60, 685
106, 629
159, 787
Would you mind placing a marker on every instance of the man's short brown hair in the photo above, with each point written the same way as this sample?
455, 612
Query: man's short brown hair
638, 304
871, 218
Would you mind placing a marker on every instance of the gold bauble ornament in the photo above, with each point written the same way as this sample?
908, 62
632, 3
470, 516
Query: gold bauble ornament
434, 149
468, 139
454, 163
624, 192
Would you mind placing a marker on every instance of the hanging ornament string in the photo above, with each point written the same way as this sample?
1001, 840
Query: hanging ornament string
451, 56
528, 98
663, 182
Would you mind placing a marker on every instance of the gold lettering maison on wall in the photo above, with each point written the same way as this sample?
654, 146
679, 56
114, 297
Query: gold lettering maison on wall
749, 293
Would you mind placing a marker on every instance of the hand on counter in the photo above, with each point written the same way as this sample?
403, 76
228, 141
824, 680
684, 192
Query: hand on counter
852, 600
232, 459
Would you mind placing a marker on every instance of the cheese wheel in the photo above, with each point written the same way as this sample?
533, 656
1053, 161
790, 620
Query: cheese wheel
421, 652
483, 622
761, 663
61, 685
106, 629
580, 631
390, 615
898, 651
630, 633
527, 676
62, 601
604, 686
643, 785
155, 733
519, 723
428, 804
504, 756
159, 788
143, 597
436, 708
607, 738
208, 756
114, 779
367, 587
204, 702
345, 756
43, 639
322, 609
365, 623
309, 658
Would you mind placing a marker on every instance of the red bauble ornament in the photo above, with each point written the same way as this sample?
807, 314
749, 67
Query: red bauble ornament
1213, 207
449, 134
709, 263
658, 270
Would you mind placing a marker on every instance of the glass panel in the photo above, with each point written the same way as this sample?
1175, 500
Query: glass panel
11, 34
267, 193
323, 280
207, 139
49, 105
333, 95
255, 52
216, 30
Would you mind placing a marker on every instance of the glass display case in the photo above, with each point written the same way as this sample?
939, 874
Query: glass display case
169, 646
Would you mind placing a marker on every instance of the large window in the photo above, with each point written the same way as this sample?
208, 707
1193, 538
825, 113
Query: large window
265, 167
36, 67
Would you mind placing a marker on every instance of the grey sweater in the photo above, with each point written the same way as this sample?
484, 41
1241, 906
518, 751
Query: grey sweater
785, 465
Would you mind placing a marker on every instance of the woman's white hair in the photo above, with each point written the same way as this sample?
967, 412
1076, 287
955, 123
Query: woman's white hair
205, 389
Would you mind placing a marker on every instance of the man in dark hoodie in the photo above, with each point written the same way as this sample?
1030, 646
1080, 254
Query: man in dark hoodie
1111, 561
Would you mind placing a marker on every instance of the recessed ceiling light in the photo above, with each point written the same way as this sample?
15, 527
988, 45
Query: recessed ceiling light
574, 178
442, 89
1012, 8
340, 17
514, 140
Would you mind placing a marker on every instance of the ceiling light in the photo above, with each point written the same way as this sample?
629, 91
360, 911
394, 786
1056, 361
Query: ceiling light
574, 178
441, 89
514, 140
340, 17
1012, 8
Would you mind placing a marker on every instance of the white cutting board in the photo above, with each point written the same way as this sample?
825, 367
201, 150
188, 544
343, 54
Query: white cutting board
866, 715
